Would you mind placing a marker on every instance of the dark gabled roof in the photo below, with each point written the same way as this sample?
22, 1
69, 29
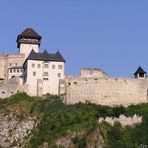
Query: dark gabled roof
45, 56
139, 71
29, 32
56, 57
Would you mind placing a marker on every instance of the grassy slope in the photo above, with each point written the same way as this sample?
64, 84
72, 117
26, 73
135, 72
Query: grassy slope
57, 119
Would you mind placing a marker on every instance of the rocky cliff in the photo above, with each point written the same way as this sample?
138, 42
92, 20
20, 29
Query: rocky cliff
31, 122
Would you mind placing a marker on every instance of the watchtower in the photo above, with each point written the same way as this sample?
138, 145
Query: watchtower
28, 40
140, 73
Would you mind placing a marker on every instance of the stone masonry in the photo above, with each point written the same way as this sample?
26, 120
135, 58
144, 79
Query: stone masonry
104, 90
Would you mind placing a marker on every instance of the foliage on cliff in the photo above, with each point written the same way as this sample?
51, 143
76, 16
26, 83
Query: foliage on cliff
78, 122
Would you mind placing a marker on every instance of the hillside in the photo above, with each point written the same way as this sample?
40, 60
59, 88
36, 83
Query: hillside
32, 122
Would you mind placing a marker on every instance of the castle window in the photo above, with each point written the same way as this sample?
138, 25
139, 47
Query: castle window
45, 79
10, 64
53, 66
59, 75
34, 73
116, 80
68, 84
60, 66
17, 70
15, 64
45, 73
39, 65
10, 70
14, 70
45, 65
33, 65
75, 82
141, 75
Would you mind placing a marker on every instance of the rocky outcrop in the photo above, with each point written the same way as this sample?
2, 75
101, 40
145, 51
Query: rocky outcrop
124, 121
14, 131
90, 139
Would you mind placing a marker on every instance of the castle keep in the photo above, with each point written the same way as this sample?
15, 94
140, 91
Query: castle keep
38, 73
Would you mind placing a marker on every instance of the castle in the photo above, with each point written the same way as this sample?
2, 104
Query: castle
31, 71
39, 73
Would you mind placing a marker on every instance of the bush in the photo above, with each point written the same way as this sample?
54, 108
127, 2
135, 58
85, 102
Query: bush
117, 111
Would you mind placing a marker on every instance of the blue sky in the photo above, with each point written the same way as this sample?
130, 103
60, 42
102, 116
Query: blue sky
109, 34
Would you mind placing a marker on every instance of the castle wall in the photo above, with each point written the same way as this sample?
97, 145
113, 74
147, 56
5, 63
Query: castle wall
11, 87
7, 61
33, 74
105, 91
2, 67
55, 74
93, 72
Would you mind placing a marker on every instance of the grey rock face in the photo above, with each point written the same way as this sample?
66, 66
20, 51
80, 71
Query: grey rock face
13, 130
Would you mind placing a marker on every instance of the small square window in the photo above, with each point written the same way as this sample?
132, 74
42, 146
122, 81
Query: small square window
33, 65
60, 66
34, 73
45, 73
59, 75
39, 65
53, 66
45, 65
10, 64
15, 64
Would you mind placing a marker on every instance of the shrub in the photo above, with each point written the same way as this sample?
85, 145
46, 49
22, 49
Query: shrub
117, 111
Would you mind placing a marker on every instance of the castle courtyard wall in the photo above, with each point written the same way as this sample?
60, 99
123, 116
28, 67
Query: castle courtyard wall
2, 67
105, 91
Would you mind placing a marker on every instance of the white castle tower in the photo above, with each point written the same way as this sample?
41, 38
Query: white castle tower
28, 40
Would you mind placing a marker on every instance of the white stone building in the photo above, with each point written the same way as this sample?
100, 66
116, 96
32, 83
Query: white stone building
42, 72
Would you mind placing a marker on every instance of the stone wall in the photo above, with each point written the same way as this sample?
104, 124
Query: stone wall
2, 67
8, 61
11, 87
105, 91
123, 120
93, 72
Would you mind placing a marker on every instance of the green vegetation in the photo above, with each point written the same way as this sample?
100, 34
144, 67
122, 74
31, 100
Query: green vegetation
57, 120
19, 104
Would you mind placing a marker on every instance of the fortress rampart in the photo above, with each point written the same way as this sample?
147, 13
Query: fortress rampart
104, 90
